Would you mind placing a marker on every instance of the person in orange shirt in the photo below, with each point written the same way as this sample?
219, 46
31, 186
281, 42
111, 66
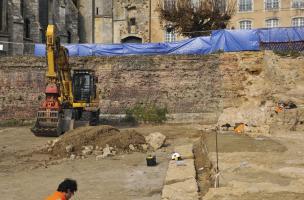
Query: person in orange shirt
65, 191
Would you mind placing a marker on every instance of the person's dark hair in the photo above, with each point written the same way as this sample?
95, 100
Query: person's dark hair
67, 184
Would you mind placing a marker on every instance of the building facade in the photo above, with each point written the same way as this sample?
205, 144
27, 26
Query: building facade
268, 14
24, 22
122, 21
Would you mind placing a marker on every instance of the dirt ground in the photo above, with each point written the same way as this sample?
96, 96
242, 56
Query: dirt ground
251, 168
28, 175
259, 168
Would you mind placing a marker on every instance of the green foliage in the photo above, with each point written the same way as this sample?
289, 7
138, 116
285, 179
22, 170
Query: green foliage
290, 53
147, 113
15, 122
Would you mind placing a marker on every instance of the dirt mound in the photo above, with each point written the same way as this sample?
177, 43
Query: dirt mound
95, 139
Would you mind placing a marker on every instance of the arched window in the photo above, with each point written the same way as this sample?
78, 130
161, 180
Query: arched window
169, 4
245, 5
170, 34
272, 23
272, 4
245, 24
297, 4
298, 21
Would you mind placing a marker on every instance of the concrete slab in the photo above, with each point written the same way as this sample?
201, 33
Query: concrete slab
180, 172
186, 151
186, 190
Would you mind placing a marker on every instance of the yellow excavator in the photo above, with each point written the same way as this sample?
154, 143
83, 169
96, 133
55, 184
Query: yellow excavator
70, 95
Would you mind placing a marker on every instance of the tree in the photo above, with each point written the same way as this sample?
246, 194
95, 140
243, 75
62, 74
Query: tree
193, 18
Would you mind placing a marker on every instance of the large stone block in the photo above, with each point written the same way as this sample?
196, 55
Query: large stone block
179, 171
186, 190
186, 151
155, 140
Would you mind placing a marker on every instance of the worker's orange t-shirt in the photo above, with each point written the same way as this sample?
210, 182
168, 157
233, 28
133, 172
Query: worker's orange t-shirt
57, 196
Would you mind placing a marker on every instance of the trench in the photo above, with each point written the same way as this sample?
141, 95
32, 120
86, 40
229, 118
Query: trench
230, 143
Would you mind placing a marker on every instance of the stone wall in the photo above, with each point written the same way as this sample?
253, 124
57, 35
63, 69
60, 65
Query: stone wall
219, 88
257, 81
27, 22
21, 87
124, 12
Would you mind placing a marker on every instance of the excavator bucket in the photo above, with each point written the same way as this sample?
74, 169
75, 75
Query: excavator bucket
48, 123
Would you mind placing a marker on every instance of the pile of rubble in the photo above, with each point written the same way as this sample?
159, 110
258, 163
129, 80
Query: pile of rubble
102, 142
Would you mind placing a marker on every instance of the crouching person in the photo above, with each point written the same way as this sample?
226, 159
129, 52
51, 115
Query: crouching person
65, 191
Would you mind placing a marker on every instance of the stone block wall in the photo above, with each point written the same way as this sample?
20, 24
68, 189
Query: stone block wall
21, 87
27, 22
219, 88
124, 11
183, 84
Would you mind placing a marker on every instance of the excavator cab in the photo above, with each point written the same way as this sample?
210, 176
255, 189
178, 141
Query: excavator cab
84, 89
85, 98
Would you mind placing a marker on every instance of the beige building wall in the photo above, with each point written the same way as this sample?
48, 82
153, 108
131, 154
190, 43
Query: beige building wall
86, 21
259, 14
103, 30
113, 25
103, 22
157, 30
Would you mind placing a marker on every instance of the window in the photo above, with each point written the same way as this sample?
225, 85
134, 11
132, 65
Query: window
271, 23
298, 4
75, 3
133, 21
221, 5
69, 37
298, 21
3, 15
170, 35
27, 31
169, 4
272, 4
22, 8
245, 5
245, 24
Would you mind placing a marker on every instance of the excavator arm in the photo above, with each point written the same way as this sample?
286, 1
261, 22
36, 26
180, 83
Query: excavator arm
67, 98
58, 92
59, 70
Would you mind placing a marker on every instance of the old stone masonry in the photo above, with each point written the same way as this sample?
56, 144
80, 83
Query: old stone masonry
24, 22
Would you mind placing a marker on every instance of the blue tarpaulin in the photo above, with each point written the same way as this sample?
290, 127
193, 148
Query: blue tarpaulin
293, 34
225, 40
235, 40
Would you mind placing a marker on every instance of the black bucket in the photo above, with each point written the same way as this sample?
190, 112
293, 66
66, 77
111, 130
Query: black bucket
151, 161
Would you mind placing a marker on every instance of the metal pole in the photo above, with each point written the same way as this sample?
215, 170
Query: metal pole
112, 22
217, 165
93, 21
150, 21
